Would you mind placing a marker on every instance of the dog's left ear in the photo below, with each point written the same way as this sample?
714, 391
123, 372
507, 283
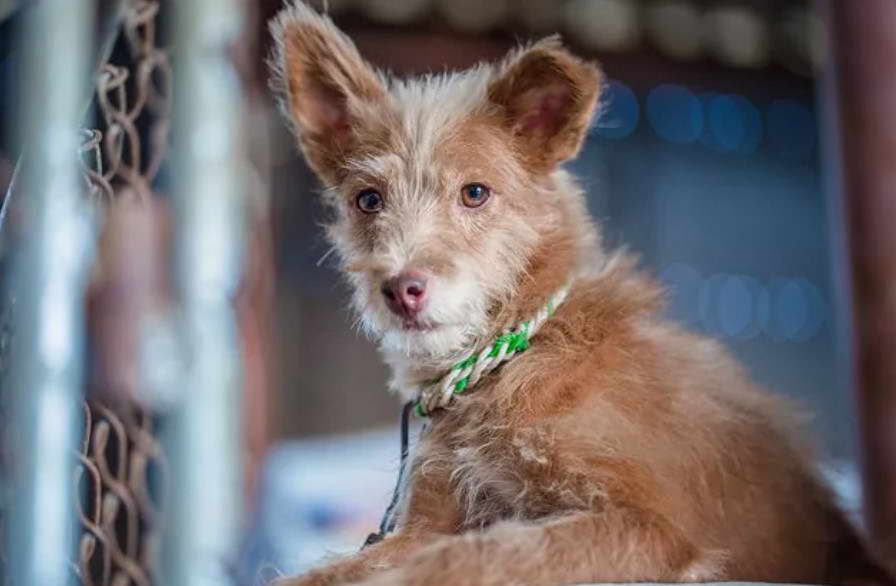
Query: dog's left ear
325, 84
547, 98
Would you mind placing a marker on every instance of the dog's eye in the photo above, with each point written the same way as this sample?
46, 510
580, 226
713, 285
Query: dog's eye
475, 194
370, 201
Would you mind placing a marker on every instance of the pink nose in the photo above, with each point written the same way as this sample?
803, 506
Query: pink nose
405, 294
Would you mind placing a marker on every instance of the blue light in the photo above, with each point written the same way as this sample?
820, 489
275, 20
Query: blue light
735, 306
817, 311
790, 309
740, 307
708, 303
675, 113
752, 120
732, 124
619, 111
762, 309
725, 123
791, 129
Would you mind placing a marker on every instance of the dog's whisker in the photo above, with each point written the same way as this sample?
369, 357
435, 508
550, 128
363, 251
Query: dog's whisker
323, 258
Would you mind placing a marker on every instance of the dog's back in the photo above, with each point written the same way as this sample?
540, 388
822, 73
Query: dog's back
616, 410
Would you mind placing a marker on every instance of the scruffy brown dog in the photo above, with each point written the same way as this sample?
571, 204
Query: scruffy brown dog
618, 447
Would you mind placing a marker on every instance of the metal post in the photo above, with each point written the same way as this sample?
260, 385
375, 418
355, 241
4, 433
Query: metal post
204, 440
48, 292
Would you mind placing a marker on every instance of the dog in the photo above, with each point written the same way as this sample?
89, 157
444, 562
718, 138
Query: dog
574, 435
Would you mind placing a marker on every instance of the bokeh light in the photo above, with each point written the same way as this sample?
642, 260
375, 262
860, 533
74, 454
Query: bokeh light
790, 309
797, 310
473, 16
604, 25
741, 307
675, 113
737, 35
735, 306
620, 111
674, 28
708, 303
732, 124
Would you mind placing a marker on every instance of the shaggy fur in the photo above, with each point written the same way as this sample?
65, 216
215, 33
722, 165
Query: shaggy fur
619, 447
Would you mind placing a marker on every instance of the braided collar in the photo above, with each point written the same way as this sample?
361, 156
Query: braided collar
466, 373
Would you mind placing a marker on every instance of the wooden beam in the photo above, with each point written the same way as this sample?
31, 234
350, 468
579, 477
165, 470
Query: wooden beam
863, 48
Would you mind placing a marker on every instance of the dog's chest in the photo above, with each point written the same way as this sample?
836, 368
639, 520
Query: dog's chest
499, 473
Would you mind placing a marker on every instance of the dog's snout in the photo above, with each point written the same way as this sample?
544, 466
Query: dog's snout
405, 294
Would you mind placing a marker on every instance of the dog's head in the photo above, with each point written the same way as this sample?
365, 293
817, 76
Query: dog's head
442, 185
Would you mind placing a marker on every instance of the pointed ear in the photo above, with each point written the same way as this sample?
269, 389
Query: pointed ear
324, 84
547, 97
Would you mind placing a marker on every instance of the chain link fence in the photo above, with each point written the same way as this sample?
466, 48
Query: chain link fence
121, 467
120, 474
119, 160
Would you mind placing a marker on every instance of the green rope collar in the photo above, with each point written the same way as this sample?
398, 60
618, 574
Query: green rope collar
466, 373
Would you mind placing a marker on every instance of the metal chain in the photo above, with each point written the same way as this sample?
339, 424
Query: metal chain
131, 99
121, 469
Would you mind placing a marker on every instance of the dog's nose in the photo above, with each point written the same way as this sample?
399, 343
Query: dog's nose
405, 294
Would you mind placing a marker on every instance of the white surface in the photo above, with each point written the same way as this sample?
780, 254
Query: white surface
324, 496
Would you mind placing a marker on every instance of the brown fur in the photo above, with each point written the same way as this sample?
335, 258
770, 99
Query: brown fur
619, 447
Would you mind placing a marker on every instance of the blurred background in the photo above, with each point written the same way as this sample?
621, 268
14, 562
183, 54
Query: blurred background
706, 160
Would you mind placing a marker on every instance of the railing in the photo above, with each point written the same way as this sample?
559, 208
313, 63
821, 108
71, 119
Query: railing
205, 517
50, 277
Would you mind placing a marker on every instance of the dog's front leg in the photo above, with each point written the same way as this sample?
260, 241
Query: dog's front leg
607, 546
431, 512
379, 556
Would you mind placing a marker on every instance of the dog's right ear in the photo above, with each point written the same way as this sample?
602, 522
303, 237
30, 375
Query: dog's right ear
547, 96
325, 84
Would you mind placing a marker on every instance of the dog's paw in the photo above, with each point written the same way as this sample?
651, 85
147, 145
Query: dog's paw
315, 578
445, 562
709, 567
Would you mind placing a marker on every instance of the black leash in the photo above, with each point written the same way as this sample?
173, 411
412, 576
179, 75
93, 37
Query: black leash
387, 525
